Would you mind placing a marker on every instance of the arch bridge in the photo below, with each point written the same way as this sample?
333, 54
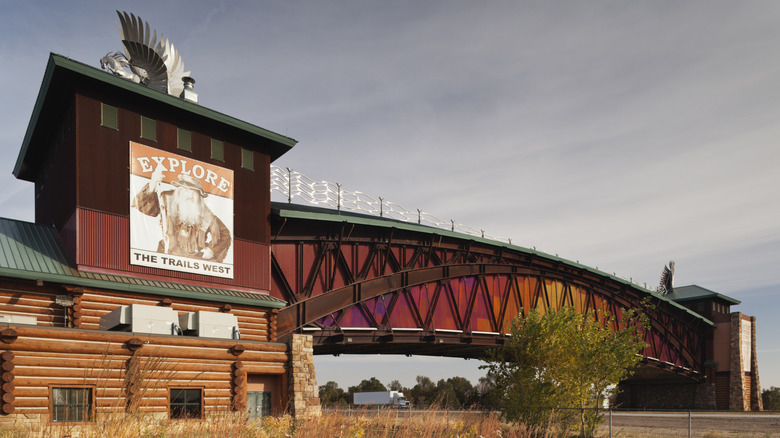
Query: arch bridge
362, 284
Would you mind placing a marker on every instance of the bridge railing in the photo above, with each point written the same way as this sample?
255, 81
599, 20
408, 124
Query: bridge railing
296, 186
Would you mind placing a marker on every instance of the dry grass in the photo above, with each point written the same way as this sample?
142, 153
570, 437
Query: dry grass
149, 373
356, 424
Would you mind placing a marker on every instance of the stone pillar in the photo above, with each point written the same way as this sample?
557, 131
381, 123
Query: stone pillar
737, 397
756, 403
303, 390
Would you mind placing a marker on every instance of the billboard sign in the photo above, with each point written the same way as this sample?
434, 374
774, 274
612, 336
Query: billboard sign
181, 213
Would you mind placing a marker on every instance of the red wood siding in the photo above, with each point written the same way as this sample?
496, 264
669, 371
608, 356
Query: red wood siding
104, 243
102, 156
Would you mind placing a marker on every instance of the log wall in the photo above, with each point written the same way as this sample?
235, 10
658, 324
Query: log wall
127, 371
130, 368
255, 323
252, 321
40, 304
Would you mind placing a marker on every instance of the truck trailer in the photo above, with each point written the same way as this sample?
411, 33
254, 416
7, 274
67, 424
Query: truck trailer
384, 398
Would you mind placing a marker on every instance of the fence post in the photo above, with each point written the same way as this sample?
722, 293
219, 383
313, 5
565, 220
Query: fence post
289, 185
689, 423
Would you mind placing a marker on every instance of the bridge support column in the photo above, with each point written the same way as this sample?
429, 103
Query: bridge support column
744, 386
303, 390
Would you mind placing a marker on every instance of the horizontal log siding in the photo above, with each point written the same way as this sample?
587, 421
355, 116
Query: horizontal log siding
58, 356
41, 306
252, 321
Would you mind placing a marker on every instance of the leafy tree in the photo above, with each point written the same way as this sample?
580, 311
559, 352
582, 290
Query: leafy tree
464, 391
445, 395
455, 392
771, 398
423, 393
395, 385
562, 359
487, 394
331, 394
371, 385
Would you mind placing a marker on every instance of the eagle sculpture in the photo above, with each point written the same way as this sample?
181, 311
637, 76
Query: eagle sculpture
667, 280
146, 60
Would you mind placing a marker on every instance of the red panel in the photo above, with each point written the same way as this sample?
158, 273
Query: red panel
423, 297
340, 273
354, 317
480, 314
403, 314
362, 252
444, 317
285, 256
309, 254
378, 307
103, 243
463, 296
514, 299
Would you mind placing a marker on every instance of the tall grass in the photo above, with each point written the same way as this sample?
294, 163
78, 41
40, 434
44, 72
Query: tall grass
146, 375
432, 423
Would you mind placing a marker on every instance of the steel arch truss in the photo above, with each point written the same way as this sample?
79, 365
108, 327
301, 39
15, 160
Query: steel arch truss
362, 289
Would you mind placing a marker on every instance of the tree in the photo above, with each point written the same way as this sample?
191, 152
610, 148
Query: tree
463, 391
771, 398
370, 385
487, 394
424, 392
561, 360
445, 395
395, 385
331, 394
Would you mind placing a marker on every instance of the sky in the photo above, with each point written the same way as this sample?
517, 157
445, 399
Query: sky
618, 134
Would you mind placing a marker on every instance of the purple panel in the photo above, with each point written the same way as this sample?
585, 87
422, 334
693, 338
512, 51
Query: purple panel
354, 317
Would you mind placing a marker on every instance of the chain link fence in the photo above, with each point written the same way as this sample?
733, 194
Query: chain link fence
621, 423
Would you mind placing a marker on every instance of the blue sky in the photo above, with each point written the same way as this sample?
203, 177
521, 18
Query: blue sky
620, 134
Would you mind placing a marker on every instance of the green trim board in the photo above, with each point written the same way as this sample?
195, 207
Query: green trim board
61, 74
34, 252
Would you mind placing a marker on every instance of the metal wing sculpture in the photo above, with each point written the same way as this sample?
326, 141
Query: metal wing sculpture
667, 280
147, 60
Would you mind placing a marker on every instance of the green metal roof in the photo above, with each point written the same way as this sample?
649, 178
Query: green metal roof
34, 252
63, 74
297, 211
694, 292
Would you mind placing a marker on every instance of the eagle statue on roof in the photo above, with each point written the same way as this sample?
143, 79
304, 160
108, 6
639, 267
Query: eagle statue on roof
667, 280
146, 60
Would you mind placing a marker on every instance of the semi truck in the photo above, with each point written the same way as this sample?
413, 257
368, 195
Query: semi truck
395, 399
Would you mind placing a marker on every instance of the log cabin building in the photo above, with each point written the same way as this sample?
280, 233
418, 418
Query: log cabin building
125, 295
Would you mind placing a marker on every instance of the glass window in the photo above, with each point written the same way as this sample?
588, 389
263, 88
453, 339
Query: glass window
247, 159
148, 130
186, 403
71, 405
108, 116
217, 150
258, 404
183, 140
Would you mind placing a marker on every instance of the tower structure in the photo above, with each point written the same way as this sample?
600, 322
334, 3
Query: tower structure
143, 284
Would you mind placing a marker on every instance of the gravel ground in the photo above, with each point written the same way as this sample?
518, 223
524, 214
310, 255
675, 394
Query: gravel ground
675, 424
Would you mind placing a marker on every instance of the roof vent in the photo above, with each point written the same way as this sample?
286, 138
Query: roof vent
189, 93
